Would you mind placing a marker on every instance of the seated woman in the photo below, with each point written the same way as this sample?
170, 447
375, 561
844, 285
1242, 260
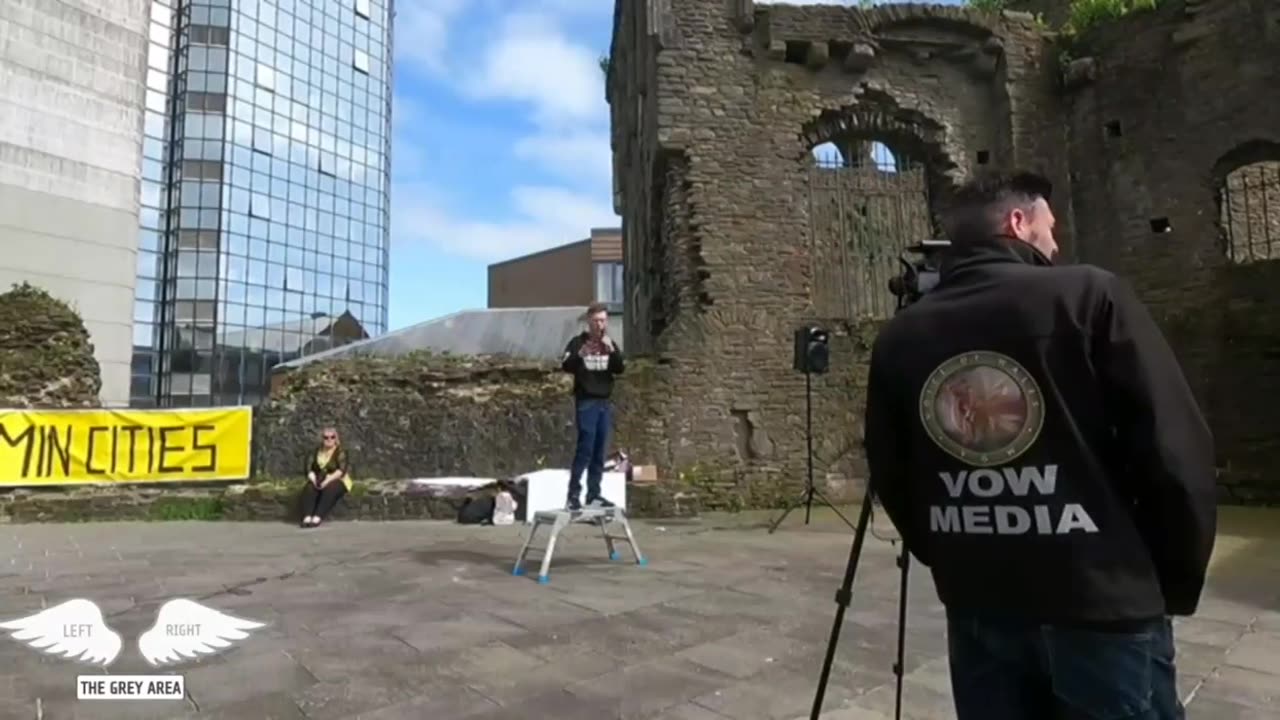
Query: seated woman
327, 479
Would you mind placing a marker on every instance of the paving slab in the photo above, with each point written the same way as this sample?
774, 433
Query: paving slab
382, 621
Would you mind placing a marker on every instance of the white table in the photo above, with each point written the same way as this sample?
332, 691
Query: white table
441, 483
547, 490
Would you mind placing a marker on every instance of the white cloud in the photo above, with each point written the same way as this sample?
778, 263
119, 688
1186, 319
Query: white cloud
584, 157
531, 61
422, 31
544, 217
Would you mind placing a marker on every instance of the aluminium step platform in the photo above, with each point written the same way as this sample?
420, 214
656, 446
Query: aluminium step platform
558, 520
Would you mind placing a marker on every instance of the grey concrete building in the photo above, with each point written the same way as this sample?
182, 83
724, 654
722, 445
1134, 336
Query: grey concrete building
71, 99
190, 173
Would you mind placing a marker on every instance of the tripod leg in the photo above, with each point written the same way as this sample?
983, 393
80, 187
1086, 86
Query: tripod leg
807, 497
804, 496
808, 439
844, 596
899, 668
834, 509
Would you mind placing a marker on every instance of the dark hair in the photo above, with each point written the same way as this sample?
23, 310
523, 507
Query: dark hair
974, 206
596, 307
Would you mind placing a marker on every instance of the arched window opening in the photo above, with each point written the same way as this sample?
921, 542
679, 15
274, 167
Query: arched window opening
884, 159
1249, 212
866, 204
828, 155
871, 154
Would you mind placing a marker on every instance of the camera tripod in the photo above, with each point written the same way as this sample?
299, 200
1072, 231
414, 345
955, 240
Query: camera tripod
844, 597
810, 490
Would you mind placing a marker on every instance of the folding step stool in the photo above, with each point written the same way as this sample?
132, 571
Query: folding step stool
558, 520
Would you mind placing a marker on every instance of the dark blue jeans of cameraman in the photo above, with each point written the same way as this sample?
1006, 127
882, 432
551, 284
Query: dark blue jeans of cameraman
595, 424
1010, 670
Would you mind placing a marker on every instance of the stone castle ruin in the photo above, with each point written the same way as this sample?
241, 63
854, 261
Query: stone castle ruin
1160, 130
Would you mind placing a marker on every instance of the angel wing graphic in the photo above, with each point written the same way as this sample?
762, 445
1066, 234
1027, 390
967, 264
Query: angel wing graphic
187, 629
74, 629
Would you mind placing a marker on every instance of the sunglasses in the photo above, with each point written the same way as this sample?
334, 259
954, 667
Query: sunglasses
330, 437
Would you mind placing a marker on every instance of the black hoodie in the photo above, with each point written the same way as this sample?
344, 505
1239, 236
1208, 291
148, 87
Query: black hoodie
593, 365
1032, 437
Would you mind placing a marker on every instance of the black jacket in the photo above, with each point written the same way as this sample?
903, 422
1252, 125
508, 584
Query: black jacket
593, 371
1030, 434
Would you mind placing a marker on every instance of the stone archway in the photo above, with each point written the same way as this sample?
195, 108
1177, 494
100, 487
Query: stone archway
1246, 186
1228, 330
877, 116
863, 214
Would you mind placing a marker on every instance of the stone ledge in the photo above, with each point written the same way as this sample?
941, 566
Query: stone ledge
371, 500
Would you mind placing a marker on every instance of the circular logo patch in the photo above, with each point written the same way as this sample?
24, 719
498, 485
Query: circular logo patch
982, 407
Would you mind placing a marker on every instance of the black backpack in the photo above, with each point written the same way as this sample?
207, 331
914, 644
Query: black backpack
476, 511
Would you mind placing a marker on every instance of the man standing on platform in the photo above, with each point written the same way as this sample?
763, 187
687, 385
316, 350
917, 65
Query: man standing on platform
593, 358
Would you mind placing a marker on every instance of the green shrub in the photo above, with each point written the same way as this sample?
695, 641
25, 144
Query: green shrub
1085, 14
46, 356
186, 508
992, 6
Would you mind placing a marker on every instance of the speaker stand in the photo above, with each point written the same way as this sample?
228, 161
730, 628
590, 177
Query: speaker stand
810, 491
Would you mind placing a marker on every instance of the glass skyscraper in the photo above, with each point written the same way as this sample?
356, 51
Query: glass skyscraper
265, 192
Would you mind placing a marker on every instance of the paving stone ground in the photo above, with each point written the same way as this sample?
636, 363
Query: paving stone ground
383, 621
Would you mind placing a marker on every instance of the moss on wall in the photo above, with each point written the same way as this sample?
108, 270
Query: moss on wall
420, 415
271, 500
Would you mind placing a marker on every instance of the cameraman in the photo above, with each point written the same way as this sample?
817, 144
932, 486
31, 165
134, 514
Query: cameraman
1030, 434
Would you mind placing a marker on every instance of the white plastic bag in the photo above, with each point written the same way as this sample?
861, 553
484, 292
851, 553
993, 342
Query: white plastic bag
504, 509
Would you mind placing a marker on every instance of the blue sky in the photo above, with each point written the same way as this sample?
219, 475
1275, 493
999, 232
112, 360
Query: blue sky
501, 141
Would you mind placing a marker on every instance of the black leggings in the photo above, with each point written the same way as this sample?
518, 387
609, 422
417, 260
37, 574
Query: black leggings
320, 502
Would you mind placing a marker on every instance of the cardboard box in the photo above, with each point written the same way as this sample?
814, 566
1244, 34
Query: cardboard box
642, 474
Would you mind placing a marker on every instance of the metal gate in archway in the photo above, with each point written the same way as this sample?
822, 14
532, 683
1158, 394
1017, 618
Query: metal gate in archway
1249, 212
861, 218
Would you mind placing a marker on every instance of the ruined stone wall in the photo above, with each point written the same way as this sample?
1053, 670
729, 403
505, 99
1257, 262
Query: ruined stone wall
434, 416
717, 106
46, 356
1165, 106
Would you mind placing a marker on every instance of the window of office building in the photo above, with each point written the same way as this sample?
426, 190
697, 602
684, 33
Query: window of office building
265, 206
609, 283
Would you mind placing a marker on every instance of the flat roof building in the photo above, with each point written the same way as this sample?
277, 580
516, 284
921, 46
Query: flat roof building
576, 274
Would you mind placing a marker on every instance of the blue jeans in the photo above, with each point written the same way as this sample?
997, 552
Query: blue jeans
595, 423
1010, 670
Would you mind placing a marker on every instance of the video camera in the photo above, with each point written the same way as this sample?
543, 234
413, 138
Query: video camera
921, 276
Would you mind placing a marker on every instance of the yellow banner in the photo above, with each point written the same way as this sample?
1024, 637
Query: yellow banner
70, 447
